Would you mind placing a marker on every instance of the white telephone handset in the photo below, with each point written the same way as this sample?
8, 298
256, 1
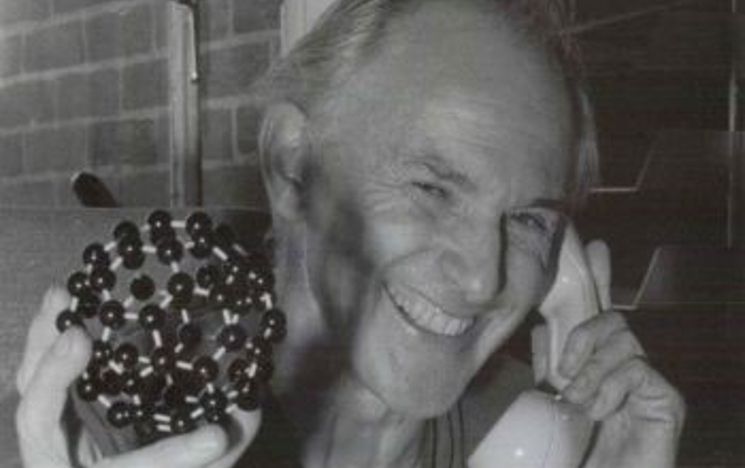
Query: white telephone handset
538, 431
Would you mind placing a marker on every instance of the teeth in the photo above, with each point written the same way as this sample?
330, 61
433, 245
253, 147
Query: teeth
429, 316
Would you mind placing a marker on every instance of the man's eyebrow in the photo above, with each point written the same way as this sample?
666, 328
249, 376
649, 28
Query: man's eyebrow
442, 169
554, 204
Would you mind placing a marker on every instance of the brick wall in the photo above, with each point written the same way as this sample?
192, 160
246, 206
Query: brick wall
84, 85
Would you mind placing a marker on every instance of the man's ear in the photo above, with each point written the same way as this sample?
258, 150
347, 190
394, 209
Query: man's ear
283, 150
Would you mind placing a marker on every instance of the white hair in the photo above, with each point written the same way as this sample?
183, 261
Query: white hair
349, 34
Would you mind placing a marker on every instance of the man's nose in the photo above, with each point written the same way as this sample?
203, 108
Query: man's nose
472, 261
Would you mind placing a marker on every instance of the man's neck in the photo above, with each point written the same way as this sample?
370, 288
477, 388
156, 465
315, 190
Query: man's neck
339, 421
355, 429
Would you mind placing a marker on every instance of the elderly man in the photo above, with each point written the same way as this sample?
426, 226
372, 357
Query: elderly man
418, 156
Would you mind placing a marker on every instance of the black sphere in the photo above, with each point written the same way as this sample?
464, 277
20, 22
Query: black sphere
243, 302
142, 288
134, 261
259, 347
132, 383
126, 229
181, 422
216, 417
77, 284
162, 360
237, 371
248, 396
152, 387
102, 279
111, 314
206, 368
273, 334
188, 381
160, 226
181, 287
221, 296
264, 369
264, 281
237, 268
214, 401
96, 256
190, 335
274, 318
207, 276
203, 243
158, 236
142, 412
111, 382
169, 251
174, 396
232, 337
88, 304
152, 317
198, 223
224, 237
119, 414
129, 246
67, 319
273, 326
88, 389
127, 355
102, 352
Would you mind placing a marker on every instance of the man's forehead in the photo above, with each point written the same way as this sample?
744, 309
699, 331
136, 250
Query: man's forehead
468, 36
456, 91
448, 45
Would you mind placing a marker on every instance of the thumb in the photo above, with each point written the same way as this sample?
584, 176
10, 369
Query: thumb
539, 347
39, 412
598, 256
41, 335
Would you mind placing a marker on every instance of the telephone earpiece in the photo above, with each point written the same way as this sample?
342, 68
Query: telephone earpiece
537, 430
573, 298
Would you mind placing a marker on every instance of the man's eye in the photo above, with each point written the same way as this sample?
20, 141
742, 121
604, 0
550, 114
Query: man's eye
431, 189
531, 221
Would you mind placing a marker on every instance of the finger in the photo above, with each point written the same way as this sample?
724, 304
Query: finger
41, 408
644, 388
598, 256
539, 348
194, 450
585, 338
616, 350
38, 416
41, 335
616, 388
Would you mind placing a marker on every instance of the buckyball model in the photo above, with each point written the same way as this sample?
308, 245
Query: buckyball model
159, 364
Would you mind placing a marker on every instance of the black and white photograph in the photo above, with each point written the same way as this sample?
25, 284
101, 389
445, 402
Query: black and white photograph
372, 234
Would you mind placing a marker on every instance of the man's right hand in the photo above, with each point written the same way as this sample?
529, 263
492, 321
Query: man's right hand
51, 362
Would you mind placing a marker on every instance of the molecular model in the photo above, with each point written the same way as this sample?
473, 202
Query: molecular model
155, 365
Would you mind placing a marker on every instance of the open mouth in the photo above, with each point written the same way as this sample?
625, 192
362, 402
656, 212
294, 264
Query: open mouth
426, 315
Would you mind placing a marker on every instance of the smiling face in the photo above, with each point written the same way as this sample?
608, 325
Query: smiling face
429, 211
